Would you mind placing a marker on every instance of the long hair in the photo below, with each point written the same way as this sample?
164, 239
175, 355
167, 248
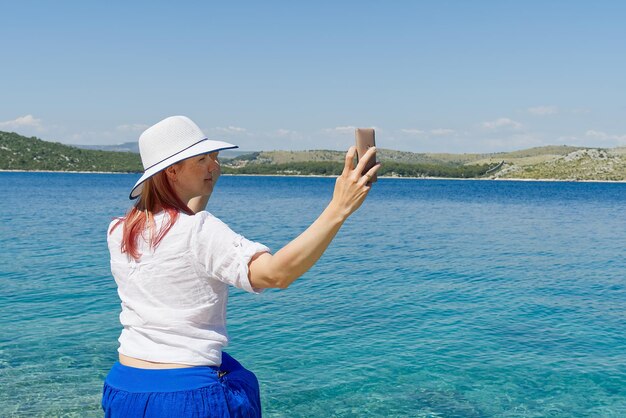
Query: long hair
157, 195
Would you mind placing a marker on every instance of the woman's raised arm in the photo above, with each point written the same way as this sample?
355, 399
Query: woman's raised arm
294, 259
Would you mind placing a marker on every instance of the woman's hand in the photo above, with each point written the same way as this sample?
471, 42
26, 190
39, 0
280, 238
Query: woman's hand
294, 259
352, 186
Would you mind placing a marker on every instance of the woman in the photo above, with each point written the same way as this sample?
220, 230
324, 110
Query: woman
173, 261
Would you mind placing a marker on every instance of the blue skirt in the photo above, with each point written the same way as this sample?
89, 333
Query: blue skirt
204, 391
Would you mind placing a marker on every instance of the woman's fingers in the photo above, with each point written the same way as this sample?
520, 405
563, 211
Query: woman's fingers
367, 177
372, 171
352, 186
364, 160
349, 164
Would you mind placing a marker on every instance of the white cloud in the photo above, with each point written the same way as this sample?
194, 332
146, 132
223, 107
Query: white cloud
603, 136
97, 138
512, 142
286, 133
502, 123
442, 132
283, 132
231, 130
133, 127
341, 129
543, 110
412, 131
596, 134
431, 132
28, 121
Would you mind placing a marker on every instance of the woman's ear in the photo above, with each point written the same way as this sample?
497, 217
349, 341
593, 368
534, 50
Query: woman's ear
171, 173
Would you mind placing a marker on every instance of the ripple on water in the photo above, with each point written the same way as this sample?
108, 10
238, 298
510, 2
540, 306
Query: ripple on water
437, 298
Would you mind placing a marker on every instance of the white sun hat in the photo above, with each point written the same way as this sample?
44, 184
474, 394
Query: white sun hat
172, 140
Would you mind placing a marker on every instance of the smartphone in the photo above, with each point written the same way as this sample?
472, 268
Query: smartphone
365, 140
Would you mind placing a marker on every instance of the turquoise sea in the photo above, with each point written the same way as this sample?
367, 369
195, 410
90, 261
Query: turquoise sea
437, 298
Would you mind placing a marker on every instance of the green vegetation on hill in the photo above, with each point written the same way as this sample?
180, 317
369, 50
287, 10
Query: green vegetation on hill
582, 164
21, 153
552, 162
333, 168
384, 155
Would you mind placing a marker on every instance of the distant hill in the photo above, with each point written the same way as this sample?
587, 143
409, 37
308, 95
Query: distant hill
134, 147
329, 162
552, 162
582, 164
558, 162
21, 153
282, 157
125, 147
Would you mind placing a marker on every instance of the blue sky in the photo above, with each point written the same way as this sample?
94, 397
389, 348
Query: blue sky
431, 76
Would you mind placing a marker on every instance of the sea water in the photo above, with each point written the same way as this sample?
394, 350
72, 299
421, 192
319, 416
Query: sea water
436, 299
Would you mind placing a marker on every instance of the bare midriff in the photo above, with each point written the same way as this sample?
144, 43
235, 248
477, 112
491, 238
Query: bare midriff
145, 364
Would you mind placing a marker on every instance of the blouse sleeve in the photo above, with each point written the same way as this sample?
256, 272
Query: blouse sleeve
223, 254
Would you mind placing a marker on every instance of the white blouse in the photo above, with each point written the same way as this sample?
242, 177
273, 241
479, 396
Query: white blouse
174, 298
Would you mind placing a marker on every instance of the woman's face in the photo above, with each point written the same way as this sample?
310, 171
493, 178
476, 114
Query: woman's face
196, 176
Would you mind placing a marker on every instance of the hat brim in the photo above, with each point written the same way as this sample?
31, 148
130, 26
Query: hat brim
203, 147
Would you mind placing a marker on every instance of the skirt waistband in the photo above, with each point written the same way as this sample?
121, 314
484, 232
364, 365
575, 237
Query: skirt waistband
133, 379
